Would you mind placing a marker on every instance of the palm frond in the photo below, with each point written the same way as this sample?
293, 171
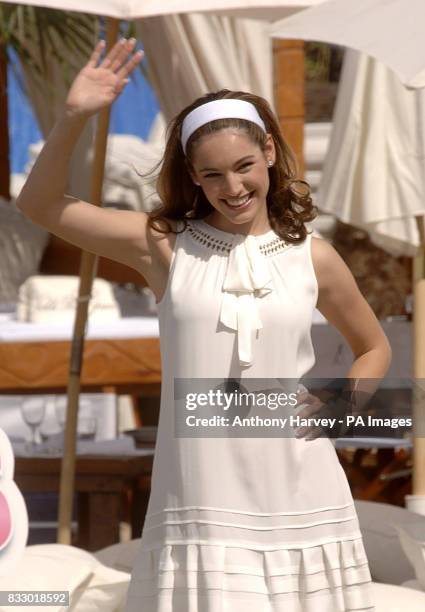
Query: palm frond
37, 34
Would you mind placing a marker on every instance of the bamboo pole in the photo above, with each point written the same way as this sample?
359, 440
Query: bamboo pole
87, 273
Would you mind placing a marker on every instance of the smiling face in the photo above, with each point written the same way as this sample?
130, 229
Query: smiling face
232, 171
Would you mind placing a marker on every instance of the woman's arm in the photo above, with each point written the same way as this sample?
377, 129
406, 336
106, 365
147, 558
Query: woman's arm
341, 302
343, 305
119, 235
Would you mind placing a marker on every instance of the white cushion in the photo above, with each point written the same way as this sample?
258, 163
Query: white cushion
53, 299
412, 540
55, 567
128, 158
378, 524
410, 584
21, 248
394, 598
120, 556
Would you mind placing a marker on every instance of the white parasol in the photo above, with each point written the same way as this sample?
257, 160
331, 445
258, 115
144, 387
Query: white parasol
391, 31
270, 10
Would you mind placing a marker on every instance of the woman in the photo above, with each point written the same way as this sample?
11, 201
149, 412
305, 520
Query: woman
234, 523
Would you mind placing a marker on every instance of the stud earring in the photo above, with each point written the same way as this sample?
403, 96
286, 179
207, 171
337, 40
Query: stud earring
269, 163
197, 184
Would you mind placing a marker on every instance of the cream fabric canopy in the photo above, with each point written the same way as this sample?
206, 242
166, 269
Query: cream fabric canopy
133, 9
189, 55
388, 30
374, 172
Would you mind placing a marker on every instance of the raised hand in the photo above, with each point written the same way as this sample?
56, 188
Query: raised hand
98, 85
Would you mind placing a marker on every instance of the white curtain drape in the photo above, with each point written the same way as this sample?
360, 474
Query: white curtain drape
190, 55
374, 172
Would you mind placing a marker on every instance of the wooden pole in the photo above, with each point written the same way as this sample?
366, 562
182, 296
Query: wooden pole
418, 478
289, 79
87, 274
4, 128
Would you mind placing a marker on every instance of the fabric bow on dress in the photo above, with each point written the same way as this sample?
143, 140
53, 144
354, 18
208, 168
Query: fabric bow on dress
247, 278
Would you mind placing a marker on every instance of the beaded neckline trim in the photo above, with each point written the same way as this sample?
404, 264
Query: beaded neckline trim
269, 244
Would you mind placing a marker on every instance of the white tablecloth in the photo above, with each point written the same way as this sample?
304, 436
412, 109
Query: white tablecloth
120, 446
128, 327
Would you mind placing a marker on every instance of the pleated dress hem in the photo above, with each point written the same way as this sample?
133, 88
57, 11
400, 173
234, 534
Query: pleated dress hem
212, 577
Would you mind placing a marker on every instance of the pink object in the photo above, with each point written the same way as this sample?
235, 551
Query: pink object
5, 522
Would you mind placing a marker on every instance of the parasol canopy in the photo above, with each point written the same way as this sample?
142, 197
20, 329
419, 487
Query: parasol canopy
388, 30
269, 10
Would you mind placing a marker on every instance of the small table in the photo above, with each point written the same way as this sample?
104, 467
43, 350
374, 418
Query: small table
101, 483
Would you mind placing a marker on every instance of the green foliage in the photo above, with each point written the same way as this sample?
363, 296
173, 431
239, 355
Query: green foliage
52, 32
322, 62
37, 33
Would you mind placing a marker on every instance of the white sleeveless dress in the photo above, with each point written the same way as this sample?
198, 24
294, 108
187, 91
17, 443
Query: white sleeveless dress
244, 524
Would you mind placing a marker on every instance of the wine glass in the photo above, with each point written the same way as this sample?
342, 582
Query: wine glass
33, 410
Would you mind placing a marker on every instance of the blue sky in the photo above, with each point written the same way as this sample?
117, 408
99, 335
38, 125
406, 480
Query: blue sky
133, 113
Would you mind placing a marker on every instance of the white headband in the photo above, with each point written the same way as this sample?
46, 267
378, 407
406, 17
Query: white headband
227, 108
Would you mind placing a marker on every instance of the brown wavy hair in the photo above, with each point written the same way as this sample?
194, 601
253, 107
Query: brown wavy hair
289, 202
